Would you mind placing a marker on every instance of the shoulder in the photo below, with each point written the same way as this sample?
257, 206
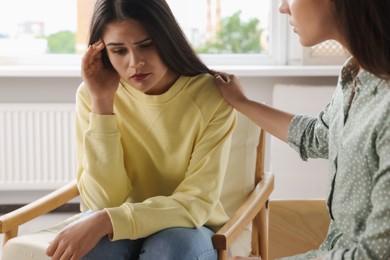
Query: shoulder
202, 88
205, 95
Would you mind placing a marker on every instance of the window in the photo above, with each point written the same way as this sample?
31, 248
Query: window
231, 32
225, 26
222, 31
32, 28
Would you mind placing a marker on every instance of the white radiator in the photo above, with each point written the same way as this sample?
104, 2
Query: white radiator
37, 145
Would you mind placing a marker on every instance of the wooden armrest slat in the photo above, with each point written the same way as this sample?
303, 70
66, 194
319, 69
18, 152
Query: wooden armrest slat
47, 203
245, 214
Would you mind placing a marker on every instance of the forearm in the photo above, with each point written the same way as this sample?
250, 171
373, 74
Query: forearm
102, 177
274, 121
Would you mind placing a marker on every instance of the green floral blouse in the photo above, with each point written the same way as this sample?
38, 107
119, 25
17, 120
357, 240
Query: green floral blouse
353, 133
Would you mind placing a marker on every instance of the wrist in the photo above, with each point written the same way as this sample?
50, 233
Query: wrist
104, 222
240, 104
103, 106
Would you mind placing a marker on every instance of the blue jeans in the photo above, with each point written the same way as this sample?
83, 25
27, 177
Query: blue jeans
168, 244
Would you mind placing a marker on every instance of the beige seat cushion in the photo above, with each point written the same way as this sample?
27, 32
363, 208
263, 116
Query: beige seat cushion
239, 179
239, 182
33, 246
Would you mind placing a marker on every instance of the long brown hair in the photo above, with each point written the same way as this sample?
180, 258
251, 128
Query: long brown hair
365, 25
159, 22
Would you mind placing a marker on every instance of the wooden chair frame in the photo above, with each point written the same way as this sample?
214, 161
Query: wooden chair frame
253, 209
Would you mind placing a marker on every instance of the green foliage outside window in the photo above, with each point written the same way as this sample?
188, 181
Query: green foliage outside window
235, 36
62, 42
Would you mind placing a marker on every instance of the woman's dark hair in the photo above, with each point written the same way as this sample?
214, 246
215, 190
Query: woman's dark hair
366, 27
159, 22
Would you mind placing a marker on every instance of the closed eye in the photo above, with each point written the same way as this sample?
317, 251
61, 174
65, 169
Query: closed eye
120, 51
146, 44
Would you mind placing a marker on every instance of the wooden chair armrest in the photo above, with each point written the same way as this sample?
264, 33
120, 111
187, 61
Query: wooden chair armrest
245, 214
10, 222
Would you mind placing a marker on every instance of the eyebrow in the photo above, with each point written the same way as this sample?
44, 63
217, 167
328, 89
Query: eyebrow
136, 43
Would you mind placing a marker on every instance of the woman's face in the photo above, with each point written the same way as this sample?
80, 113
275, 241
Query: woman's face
133, 55
312, 20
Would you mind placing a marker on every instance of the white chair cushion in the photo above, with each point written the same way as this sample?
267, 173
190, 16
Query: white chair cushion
240, 176
33, 246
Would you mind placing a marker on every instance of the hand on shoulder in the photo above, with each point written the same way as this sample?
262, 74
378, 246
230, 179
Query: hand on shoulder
230, 88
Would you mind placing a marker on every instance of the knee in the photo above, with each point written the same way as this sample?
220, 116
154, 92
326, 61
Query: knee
179, 243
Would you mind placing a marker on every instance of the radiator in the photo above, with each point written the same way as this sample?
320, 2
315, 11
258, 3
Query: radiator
37, 146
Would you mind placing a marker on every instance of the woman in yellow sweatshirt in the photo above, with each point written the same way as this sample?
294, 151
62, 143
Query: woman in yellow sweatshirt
153, 137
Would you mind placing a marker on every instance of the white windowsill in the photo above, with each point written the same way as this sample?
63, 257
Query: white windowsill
281, 71
241, 71
39, 71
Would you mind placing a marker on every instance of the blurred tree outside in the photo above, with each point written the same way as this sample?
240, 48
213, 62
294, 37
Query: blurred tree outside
62, 42
235, 36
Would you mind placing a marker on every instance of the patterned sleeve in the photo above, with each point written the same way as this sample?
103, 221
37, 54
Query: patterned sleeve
309, 136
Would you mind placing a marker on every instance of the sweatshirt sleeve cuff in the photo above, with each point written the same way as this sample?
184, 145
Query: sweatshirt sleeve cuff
117, 216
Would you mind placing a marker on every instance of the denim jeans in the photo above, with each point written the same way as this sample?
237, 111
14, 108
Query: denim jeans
169, 244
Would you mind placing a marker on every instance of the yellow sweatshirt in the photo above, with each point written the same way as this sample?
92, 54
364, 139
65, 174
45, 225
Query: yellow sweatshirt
159, 161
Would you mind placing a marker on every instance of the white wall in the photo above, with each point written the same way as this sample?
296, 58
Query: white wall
296, 178
260, 88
